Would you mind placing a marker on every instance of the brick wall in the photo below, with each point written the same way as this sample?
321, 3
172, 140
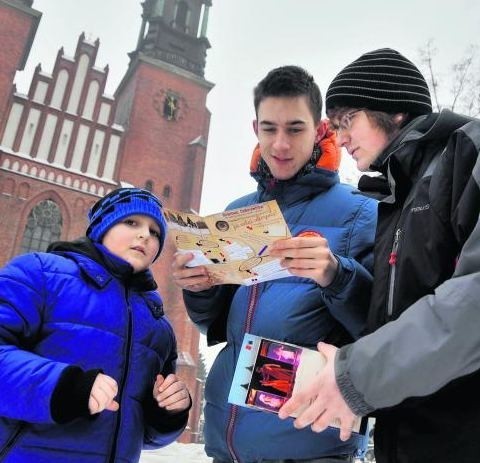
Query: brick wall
19, 194
14, 35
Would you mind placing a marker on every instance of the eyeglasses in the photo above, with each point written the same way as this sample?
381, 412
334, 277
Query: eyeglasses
345, 122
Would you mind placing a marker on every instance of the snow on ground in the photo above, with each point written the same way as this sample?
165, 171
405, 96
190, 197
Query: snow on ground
176, 453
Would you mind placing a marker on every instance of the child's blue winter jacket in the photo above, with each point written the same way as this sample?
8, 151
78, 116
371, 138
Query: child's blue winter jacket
63, 315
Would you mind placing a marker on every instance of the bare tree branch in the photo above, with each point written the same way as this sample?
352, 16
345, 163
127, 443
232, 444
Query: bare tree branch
463, 80
426, 58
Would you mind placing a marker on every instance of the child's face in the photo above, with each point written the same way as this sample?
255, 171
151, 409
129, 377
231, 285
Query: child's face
135, 239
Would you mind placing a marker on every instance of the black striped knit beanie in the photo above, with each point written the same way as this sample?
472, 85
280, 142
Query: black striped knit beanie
380, 80
121, 203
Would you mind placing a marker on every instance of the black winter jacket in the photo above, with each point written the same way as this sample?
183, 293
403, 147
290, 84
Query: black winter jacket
424, 228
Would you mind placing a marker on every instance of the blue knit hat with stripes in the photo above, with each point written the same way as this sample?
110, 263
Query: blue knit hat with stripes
380, 80
121, 203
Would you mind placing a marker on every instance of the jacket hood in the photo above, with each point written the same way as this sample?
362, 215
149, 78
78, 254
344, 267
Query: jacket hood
432, 127
436, 126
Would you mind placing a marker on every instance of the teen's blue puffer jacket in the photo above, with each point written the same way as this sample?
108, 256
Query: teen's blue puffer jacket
293, 309
69, 310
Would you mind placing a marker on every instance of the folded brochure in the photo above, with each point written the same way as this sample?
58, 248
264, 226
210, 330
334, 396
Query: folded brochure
232, 244
268, 372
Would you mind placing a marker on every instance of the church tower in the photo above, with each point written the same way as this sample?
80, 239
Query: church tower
161, 103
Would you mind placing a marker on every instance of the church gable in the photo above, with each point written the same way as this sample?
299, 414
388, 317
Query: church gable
66, 121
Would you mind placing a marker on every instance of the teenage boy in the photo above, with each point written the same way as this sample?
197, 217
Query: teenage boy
329, 257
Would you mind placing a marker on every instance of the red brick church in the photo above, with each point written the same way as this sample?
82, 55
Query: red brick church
66, 143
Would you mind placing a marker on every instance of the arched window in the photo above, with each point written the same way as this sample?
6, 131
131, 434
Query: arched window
167, 190
149, 185
44, 225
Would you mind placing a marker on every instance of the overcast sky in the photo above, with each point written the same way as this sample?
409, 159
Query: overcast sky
250, 37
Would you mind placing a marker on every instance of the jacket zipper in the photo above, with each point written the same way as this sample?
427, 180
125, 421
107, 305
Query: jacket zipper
124, 378
12, 440
230, 426
393, 266
252, 302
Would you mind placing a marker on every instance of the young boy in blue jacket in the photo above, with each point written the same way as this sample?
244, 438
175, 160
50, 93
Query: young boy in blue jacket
87, 358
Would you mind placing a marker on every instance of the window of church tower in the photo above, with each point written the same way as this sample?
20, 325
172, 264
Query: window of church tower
182, 16
170, 107
149, 185
44, 225
158, 8
167, 190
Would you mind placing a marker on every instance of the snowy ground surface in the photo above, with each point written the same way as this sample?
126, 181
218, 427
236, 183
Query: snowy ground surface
176, 453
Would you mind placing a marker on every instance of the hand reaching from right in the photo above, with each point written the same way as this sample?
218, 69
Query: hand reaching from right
104, 390
191, 278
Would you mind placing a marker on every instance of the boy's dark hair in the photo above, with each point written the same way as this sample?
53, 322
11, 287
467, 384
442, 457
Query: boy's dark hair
289, 81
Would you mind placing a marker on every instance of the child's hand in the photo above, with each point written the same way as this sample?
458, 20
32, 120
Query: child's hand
171, 393
103, 392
